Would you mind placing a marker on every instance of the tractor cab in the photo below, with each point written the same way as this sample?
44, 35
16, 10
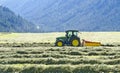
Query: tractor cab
71, 33
71, 39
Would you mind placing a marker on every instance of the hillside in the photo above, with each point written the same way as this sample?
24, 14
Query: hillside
9, 22
59, 15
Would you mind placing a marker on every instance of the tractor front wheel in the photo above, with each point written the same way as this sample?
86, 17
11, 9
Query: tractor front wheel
59, 43
75, 42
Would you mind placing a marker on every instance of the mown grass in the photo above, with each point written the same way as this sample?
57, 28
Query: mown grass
33, 44
35, 53
26, 68
59, 59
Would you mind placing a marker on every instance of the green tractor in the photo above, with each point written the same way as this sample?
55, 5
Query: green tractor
71, 39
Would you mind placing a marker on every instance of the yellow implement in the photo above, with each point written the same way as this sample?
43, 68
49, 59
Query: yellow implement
89, 43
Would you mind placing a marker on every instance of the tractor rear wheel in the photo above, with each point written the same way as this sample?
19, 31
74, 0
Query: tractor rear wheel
75, 42
59, 43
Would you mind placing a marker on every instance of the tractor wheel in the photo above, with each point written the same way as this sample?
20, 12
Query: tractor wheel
75, 42
59, 43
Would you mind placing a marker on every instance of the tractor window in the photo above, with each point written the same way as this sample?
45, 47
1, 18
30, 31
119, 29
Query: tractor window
69, 34
75, 33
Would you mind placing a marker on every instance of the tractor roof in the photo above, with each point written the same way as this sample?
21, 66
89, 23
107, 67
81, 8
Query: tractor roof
72, 31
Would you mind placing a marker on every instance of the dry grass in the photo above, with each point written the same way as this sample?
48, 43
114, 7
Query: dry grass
103, 37
59, 59
28, 53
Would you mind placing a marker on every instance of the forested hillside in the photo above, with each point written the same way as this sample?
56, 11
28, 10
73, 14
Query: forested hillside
9, 22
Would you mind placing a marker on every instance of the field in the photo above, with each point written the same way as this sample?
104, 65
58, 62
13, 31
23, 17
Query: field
35, 53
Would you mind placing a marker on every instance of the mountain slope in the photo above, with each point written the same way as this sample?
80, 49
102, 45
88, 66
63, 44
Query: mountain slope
60, 15
9, 22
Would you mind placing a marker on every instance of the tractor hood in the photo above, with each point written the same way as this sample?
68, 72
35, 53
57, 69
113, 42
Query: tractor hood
61, 38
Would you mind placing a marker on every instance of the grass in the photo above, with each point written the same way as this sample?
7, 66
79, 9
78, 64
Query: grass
34, 53
106, 38
59, 59
26, 68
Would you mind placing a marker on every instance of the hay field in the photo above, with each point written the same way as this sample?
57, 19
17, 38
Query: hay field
35, 53
59, 59
103, 37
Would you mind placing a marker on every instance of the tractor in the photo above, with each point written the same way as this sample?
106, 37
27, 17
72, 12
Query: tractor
71, 39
